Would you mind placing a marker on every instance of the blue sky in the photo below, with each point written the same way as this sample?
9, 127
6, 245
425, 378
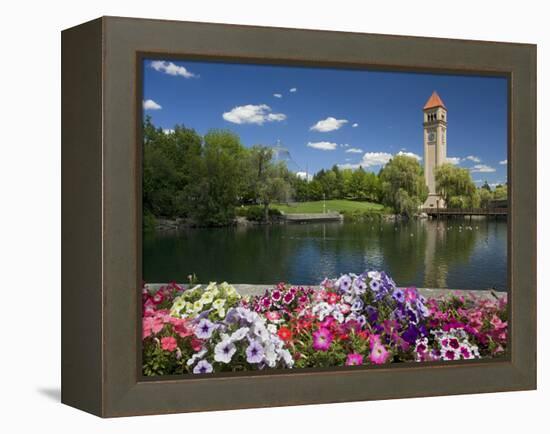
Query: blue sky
327, 116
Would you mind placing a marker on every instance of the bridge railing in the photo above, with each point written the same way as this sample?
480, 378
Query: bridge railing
466, 211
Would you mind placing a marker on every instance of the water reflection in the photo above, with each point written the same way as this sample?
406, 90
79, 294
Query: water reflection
454, 254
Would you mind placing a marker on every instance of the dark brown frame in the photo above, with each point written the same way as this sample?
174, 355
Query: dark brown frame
101, 217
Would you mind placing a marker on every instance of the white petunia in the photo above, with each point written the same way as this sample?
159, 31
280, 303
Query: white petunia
218, 303
287, 357
239, 334
338, 316
207, 297
272, 328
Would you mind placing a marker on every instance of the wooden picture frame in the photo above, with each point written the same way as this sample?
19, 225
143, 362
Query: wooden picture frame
101, 215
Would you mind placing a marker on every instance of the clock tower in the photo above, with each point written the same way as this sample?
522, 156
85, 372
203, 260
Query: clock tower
435, 146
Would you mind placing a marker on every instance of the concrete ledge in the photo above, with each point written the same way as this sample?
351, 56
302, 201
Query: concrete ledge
319, 217
252, 290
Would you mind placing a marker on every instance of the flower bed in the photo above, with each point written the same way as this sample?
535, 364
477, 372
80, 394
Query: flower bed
353, 320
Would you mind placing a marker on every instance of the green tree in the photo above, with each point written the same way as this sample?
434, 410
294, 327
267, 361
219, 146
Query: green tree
269, 181
501, 192
402, 185
300, 188
455, 182
485, 196
315, 189
168, 159
218, 180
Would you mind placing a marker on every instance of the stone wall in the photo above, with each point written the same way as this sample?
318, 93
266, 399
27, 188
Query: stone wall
251, 290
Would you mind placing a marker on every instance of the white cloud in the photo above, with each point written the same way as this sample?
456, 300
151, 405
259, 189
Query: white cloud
375, 159
328, 124
149, 104
454, 160
168, 131
473, 158
410, 154
277, 95
252, 114
503, 162
355, 125
293, 89
354, 150
482, 168
171, 68
348, 165
304, 175
323, 146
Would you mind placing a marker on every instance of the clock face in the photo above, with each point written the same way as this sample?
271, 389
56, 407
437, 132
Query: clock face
431, 136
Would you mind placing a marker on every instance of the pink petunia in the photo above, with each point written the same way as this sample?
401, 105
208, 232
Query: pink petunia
354, 359
497, 323
379, 355
168, 343
273, 316
182, 327
152, 325
322, 339
410, 294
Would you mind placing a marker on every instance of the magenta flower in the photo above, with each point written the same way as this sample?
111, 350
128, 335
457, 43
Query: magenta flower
322, 339
266, 302
276, 295
354, 359
288, 297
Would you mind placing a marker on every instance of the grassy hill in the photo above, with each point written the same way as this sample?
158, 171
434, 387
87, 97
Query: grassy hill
331, 205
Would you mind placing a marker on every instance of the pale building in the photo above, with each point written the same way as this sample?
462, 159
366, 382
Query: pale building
435, 146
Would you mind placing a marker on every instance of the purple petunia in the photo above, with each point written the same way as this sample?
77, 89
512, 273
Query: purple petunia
399, 296
344, 283
203, 367
254, 352
223, 352
375, 285
204, 329
360, 286
357, 305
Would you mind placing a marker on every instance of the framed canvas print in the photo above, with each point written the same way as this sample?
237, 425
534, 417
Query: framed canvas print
263, 217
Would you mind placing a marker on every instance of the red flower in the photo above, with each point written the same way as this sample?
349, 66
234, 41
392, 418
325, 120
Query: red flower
285, 334
333, 298
196, 344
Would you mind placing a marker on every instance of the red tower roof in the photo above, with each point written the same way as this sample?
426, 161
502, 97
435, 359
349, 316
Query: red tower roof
434, 101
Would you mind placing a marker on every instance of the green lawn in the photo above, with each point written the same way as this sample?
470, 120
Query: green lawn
331, 205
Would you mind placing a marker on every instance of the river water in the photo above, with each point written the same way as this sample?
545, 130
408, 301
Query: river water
456, 254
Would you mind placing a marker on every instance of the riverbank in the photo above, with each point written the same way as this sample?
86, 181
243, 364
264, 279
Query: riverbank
279, 217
